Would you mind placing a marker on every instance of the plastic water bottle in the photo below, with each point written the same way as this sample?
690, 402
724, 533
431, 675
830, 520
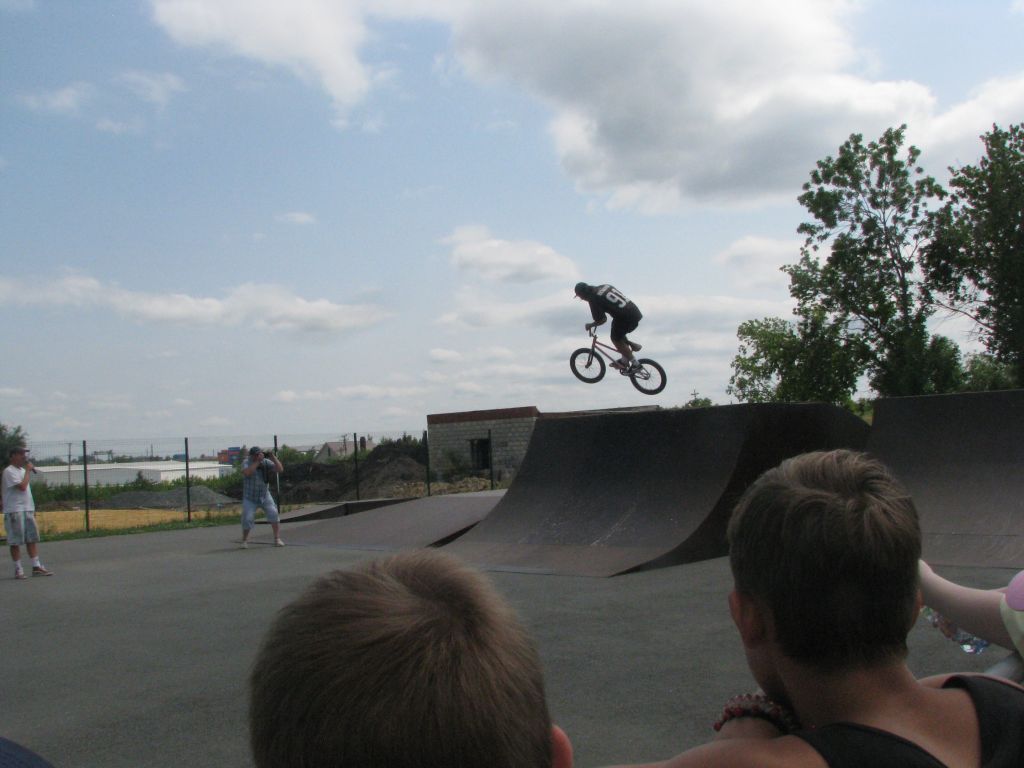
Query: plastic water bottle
968, 643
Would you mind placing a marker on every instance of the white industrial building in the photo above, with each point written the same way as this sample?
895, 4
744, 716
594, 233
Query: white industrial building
119, 474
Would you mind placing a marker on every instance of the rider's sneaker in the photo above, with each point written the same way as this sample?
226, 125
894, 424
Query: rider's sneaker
635, 345
633, 367
620, 365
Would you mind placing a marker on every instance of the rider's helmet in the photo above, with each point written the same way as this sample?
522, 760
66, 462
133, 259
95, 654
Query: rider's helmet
582, 289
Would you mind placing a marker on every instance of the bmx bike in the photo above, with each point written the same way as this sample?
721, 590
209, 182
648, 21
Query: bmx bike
588, 365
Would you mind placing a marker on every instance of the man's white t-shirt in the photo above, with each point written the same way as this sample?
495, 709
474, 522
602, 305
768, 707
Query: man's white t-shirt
15, 499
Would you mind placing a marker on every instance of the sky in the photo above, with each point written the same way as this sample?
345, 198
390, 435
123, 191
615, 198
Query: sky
314, 216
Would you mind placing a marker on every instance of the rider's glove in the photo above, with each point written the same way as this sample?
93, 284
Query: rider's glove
589, 326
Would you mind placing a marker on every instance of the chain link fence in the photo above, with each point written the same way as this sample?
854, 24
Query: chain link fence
82, 484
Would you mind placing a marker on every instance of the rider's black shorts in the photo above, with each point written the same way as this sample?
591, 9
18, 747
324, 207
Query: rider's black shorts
623, 325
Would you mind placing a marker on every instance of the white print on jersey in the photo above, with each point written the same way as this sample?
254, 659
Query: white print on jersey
613, 295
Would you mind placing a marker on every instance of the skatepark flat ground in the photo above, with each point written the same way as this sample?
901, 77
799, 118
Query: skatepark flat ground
136, 653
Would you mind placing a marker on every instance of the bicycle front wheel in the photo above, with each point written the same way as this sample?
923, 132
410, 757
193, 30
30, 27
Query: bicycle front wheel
587, 365
649, 378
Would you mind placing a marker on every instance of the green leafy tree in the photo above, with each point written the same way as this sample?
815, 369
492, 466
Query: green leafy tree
983, 373
870, 216
289, 455
975, 260
697, 401
812, 359
10, 437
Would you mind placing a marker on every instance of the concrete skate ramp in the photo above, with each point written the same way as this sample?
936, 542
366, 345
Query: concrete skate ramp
333, 509
426, 522
603, 494
962, 459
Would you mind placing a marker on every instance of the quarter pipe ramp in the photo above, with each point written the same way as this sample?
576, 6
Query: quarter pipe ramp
603, 494
962, 459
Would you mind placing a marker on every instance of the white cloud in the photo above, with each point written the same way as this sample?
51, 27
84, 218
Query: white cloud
445, 356
954, 133
354, 392
661, 103
17, 6
475, 250
656, 104
117, 127
215, 421
475, 309
755, 262
11, 392
63, 101
297, 217
154, 87
268, 306
315, 39
1017, 6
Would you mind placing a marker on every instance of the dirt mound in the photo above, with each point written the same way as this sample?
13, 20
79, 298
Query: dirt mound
174, 499
379, 476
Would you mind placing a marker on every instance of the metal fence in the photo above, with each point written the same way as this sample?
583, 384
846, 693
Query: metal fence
77, 467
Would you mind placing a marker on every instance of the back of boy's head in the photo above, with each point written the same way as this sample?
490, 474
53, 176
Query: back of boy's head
829, 542
413, 660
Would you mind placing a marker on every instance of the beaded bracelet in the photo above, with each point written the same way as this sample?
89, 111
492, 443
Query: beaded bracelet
758, 705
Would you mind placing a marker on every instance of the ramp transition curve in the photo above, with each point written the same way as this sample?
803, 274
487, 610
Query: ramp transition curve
603, 494
426, 522
962, 459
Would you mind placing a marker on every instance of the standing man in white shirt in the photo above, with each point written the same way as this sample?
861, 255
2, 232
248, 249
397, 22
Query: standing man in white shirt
20, 512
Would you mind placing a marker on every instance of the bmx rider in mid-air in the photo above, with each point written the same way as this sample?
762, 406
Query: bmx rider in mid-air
606, 300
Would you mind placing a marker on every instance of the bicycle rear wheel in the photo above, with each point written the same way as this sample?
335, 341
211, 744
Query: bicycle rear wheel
649, 378
587, 365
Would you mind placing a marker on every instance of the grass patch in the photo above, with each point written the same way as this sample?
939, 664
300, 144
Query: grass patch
171, 525
59, 525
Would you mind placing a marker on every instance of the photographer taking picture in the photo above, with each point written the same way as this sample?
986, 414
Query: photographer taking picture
257, 469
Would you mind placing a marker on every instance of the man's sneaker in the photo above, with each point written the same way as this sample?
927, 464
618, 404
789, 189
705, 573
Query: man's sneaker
39, 570
244, 544
620, 365
635, 346
278, 543
19, 574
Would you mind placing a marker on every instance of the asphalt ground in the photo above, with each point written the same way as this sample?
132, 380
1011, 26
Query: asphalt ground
136, 653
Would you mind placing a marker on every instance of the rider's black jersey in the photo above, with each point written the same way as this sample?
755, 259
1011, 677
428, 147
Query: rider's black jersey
607, 300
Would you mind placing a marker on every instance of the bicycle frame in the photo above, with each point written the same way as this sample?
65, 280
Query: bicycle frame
597, 346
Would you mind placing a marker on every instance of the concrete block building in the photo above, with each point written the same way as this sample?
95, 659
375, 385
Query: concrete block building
472, 440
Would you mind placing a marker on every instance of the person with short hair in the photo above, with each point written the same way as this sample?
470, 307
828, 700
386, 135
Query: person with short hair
607, 300
20, 512
824, 552
410, 661
257, 469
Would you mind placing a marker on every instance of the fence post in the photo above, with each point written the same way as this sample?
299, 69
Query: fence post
490, 457
355, 460
426, 446
277, 479
85, 482
188, 484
